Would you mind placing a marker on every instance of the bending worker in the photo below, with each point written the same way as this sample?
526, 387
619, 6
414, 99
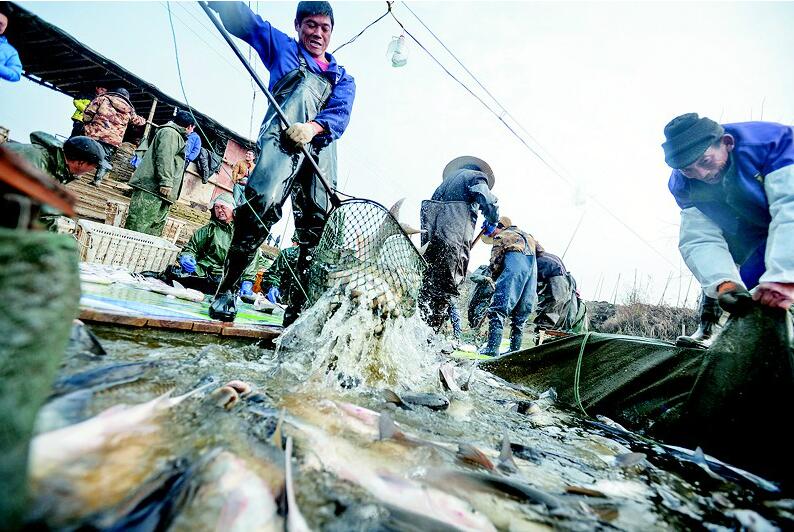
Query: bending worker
559, 306
316, 95
449, 219
515, 270
735, 186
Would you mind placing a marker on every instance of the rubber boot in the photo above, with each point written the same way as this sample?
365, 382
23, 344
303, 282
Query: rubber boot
702, 338
710, 313
224, 306
516, 335
494, 340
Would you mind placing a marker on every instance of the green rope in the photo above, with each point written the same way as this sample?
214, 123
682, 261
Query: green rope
577, 373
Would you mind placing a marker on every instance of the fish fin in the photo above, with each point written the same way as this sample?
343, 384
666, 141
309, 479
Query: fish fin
465, 386
295, 520
471, 454
410, 230
191, 393
387, 429
277, 438
177, 284
506, 460
390, 396
395, 209
447, 374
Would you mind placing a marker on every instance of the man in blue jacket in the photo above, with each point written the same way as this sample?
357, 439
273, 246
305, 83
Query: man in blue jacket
10, 65
317, 96
192, 148
735, 186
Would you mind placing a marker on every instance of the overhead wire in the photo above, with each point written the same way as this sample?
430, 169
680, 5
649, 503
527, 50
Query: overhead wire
388, 10
500, 117
209, 45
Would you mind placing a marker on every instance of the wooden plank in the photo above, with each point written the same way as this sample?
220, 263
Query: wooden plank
249, 332
213, 327
184, 325
97, 316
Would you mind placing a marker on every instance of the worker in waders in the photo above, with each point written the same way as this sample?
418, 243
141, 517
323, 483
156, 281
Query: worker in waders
735, 186
316, 95
515, 270
449, 219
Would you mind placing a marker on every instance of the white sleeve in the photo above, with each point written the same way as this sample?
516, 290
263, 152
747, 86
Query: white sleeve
705, 251
779, 257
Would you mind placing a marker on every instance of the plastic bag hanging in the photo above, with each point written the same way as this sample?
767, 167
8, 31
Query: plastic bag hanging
398, 51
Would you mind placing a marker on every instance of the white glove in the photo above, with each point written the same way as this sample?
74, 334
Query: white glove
301, 133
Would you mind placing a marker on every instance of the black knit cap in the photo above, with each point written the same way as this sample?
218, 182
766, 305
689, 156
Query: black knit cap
83, 149
307, 9
687, 137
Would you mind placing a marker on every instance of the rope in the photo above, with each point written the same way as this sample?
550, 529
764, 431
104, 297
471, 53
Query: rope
388, 10
577, 374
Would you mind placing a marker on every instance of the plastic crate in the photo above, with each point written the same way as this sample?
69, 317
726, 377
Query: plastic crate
131, 250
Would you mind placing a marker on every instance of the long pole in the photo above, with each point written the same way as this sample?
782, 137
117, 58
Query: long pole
335, 201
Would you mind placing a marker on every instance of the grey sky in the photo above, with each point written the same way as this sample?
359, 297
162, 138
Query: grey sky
592, 83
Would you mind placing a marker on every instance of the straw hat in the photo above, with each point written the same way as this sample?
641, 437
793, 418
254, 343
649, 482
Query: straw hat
467, 160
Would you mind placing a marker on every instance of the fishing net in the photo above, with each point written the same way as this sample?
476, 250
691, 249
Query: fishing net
365, 255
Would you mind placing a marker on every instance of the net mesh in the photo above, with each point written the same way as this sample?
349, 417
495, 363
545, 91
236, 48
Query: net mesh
364, 254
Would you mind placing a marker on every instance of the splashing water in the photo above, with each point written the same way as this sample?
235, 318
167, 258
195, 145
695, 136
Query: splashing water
348, 344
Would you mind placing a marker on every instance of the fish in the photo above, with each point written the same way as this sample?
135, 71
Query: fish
51, 450
231, 496
468, 481
295, 520
446, 373
63, 411
155, 504
352, 463
102, 377
628, 460
526, 452
407, 400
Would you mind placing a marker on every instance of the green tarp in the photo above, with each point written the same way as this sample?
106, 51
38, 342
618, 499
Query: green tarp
733, 400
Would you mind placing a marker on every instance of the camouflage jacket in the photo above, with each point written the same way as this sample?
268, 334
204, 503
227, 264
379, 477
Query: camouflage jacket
107, 116
280, 273
44, 152
509, 239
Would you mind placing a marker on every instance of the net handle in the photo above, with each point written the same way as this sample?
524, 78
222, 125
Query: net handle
335, 201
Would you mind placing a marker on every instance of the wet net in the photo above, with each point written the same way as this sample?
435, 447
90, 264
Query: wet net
365, 255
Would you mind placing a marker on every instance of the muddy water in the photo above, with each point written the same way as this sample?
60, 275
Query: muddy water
325, 383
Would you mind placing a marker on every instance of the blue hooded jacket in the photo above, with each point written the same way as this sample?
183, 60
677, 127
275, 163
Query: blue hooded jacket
10, 65
279, 53
762, 160
192, 146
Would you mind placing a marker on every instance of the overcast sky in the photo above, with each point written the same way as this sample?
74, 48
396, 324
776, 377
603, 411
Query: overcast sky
590, 87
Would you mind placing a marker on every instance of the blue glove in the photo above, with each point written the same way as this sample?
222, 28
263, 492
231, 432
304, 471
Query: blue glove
489, 228
245, 289
273, 294
188, 263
